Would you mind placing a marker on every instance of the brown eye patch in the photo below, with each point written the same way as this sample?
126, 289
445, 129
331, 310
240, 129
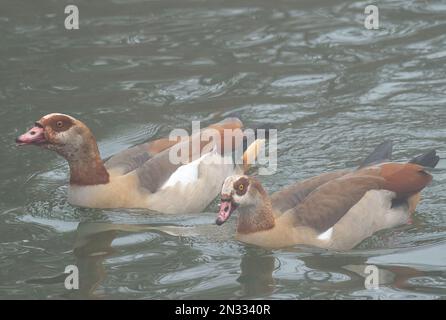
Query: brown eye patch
241, 186
60, 123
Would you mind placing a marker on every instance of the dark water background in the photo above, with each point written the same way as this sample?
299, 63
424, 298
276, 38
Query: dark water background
137, 69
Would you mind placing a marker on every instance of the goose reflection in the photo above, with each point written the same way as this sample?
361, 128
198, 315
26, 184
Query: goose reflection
256, 268
330, 272
261, 270
94, 244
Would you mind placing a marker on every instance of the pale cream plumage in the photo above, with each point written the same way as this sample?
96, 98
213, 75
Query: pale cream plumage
143, 176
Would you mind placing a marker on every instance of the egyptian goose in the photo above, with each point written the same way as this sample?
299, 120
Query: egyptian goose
142, 176
335, 210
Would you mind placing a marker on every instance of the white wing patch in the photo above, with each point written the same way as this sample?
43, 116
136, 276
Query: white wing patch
326, 235
185, 174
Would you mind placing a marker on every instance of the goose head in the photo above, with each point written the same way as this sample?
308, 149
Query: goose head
61, 133
239, 192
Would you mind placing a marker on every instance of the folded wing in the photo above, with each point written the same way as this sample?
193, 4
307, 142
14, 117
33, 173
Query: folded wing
327, 204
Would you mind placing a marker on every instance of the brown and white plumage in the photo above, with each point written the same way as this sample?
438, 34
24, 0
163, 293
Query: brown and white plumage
142, 176
335, 210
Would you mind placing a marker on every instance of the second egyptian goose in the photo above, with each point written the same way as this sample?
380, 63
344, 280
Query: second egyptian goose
142, 176
336, 210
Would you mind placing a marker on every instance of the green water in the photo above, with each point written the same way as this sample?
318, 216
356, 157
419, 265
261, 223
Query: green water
137, 69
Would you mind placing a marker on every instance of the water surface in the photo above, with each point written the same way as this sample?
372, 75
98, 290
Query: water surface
137, 69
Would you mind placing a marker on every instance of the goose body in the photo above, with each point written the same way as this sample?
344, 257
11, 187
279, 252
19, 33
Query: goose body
178, 196
143, 176
335, 210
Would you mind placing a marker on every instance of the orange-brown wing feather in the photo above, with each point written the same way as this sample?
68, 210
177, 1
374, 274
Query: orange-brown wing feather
160, 145
156, 171
327, 204
230, 134
405, 179
134, 157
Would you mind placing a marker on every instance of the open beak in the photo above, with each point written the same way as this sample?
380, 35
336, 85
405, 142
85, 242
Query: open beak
227, 207
35, 135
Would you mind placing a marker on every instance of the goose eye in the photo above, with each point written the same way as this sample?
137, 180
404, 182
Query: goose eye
59, 124
241, 187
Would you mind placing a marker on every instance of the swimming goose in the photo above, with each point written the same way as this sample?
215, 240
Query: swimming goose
143, 176
335, 210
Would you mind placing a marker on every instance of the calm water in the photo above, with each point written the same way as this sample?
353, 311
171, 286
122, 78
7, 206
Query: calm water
137, 69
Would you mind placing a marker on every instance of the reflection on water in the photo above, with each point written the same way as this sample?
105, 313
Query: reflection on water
256, 275
137, 69
97, 243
